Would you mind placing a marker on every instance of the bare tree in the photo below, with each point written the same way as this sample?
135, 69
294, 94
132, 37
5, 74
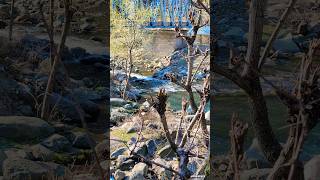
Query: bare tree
303, 104
246, 74
11, 19
179, 148
197, 22
57, 58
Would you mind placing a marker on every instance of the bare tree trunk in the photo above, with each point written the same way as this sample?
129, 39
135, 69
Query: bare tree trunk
128, 74
11, 19
256, 20
50, 84
263, 131
188, 86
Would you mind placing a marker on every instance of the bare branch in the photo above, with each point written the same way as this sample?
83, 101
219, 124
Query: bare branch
275, 33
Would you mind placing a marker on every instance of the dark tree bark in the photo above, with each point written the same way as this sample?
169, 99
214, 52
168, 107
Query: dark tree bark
249, 81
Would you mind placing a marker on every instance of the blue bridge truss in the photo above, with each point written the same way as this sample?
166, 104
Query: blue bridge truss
164, 13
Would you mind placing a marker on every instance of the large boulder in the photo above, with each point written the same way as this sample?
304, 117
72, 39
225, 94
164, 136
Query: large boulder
286, 45
14, 97
118, 115
17, 168
57, 143
67, 108
161, 172
166, 152
139, 172
311, 169
42, 153
22, 128
82, 140
19, 153
118, 152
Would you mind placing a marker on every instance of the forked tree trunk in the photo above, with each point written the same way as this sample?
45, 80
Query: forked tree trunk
260, 121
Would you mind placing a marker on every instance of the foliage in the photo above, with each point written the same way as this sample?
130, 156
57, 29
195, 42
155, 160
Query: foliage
127, 32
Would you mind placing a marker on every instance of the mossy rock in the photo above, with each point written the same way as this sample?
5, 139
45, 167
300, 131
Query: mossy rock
61, 158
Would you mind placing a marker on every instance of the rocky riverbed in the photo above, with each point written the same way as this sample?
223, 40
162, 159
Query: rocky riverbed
60, 147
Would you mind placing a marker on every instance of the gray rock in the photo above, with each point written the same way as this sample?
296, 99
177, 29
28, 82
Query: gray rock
3, 157
19, 153
121, 159
119, 175
117, 116
166, 152
22, 128
193, 167
126, 165
235, 33
82, 140
142, 149
152, 147
146, 104
138, 172
91, 109
128, 106
62, 128
86, 94
57, 143
180, 44
66, 107
285, 45
255, 158
314, 27
78, 52
118, 152
117, 102
42, 153
255, 174
17, 168
162, 173
311, 169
